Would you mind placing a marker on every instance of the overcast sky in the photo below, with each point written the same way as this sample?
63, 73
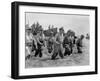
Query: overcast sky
78, 23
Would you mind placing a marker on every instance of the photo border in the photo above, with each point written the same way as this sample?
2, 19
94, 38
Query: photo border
15, 39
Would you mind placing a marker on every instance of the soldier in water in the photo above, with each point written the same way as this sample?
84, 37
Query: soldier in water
66, 45
40, 43
58, 44
50, 42
79, 44
28, 43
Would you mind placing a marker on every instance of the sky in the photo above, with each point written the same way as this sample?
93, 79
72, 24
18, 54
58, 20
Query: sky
77, 23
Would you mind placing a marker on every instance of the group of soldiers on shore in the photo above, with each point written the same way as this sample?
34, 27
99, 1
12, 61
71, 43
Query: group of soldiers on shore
53, 44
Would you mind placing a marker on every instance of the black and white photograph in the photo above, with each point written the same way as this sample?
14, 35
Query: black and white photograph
50, 40
54, 40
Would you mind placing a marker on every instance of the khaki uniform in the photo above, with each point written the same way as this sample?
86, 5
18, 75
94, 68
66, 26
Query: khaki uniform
66, 45
79, 45
58, 46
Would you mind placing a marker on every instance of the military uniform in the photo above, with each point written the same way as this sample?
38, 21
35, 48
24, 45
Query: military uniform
58, 46
28, 44
40, 43
39, 49
66, 45
34, 44
79, 44
50, 44
71, 43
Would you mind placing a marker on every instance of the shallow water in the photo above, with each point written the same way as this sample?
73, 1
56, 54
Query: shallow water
75, 59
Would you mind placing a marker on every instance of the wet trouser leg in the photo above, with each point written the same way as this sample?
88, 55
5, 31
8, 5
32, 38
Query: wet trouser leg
54, 55
79, 49
33, 46
67, 52
40, 50
60, 53
50, 49
40, 53
36, 53
71, 47
71, 50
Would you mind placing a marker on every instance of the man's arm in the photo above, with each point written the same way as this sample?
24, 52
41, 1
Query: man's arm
38, 41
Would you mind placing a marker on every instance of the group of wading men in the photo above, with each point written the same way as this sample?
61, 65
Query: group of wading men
53, 44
